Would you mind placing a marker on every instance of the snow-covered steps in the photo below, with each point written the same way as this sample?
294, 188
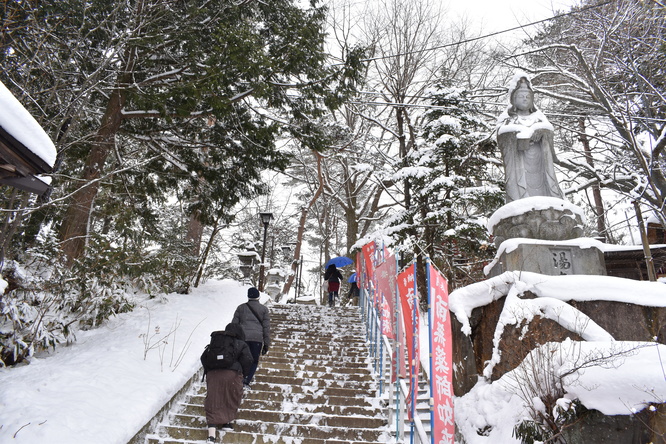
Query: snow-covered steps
313, 387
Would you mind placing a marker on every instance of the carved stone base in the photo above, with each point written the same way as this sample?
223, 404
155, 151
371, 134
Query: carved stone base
544, 218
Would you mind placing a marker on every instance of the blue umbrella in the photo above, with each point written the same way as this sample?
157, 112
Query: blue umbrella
339, 262
352, 278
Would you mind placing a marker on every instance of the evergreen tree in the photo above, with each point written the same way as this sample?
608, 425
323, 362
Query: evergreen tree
187, 100
164, 114
454, 190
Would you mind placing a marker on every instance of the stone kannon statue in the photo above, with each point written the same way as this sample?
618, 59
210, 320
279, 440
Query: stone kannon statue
525, 137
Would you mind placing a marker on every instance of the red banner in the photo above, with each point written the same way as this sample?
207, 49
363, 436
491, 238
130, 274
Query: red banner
368, 257
386, 320
442, 359
385, 276
410, 316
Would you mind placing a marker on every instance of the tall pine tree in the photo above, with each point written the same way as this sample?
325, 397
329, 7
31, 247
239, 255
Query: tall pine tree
454, 190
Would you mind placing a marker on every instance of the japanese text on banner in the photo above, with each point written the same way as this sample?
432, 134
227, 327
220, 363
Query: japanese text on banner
442, 350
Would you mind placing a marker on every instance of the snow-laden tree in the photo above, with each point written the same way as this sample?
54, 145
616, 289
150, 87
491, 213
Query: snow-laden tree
606, 63
402, 34
336, 186
165, 113
454, 188
177, 106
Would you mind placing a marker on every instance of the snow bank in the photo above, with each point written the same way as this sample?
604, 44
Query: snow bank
615, 378
101, 389
563, 288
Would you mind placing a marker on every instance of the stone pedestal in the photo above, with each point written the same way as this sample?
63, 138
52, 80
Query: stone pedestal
543, 235
545, 218
551, 259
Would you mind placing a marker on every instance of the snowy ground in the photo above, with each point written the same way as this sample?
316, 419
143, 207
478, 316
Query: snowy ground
101, 389
614, 377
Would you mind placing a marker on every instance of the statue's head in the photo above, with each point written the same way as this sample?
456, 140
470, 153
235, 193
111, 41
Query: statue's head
522, 98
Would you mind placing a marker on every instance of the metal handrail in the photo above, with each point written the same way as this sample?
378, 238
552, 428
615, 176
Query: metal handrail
418, 425
381, 352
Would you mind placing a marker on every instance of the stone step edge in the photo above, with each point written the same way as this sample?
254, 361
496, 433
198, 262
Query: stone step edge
341, 347
371, 410
323, 396
317, 366
328, 380
270, 439
315, 391
261, 421
350, 342
336, 404
257, 397
304, 414
315, 354
277, 425
313, 365
286, 385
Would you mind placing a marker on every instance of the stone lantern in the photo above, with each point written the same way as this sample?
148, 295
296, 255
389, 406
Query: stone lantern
248, 259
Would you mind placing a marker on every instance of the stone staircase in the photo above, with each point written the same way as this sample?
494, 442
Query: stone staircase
313, 387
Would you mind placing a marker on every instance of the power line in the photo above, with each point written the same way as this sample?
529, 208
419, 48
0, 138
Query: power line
483, 105
492, 34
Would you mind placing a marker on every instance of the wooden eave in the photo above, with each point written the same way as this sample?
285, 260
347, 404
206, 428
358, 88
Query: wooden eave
19, 166
631, 263
14, 154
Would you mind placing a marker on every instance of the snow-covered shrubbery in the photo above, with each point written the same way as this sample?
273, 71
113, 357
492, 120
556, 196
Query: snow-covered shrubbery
46, 303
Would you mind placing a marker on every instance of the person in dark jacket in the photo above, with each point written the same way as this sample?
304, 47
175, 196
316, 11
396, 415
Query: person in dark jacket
253, 316
353, 293
224, 387
333, 277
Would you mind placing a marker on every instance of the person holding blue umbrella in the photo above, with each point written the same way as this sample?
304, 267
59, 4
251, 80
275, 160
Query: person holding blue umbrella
333, 277
354, 291
339, 262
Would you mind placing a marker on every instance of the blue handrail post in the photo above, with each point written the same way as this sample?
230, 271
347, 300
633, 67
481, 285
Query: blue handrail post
432, 403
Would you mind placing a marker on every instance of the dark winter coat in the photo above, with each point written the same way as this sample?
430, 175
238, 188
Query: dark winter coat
225, 387
256, 330
332, 274
334, 277
240, 349
353, 290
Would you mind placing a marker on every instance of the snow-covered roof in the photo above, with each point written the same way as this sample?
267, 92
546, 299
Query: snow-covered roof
17, 122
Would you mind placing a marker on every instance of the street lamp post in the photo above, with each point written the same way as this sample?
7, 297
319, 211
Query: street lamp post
265, 219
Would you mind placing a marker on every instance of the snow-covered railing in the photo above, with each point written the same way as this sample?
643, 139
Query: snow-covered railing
381, 352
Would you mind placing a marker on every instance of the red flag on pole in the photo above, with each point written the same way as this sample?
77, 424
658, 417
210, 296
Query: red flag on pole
385, 276
441, 377
410, 314
368, 257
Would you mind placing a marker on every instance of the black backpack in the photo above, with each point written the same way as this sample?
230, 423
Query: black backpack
220, 353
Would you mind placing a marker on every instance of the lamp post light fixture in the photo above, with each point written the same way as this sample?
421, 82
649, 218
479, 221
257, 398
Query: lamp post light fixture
266, 220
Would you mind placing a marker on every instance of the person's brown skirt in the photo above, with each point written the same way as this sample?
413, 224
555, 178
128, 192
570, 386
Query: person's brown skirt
223, 396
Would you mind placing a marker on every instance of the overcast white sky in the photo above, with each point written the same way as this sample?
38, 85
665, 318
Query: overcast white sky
496, 15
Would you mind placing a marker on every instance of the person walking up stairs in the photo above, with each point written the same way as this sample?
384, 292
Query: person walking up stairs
314, 387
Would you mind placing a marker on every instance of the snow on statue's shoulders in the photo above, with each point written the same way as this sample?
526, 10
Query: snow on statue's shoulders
18, 122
